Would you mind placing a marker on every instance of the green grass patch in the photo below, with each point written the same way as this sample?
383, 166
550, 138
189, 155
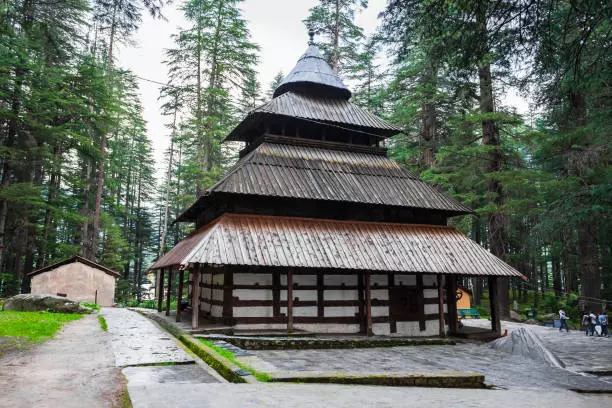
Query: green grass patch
94, 306
102, 321
263, 377
33, 326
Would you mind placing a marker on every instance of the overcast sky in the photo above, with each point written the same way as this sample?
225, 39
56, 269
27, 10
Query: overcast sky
275, 25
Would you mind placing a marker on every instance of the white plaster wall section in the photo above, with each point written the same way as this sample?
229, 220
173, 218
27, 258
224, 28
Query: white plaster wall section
380, 294
205, 278
253, 311
218, 279
341, 311
431, 309
327, 327
406, 280
337, 280
430, 293
308, 311
381, 329
378, 280
339, 294
304, 295
408, 329
216, 311
380, 311
429, 280
264, 279
253, 294
217, 294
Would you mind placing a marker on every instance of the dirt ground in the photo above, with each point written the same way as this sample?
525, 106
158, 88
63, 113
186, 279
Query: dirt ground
76, 369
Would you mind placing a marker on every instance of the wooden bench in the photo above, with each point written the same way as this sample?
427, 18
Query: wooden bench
468, 314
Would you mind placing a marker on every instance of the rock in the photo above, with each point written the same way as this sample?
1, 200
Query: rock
35, 302
548, 317
532, 321
517, 317
525, 342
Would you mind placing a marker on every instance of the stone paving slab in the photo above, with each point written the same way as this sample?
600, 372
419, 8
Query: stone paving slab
175, 374
500, 369
342, 396
137, 340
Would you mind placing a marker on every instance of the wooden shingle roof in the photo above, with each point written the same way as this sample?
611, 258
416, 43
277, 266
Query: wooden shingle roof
317, 108
75, 258
317, 173
256, 240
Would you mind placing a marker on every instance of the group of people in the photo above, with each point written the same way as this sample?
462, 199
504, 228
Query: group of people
593, 323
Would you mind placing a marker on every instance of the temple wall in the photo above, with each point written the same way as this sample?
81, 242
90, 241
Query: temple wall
253, 303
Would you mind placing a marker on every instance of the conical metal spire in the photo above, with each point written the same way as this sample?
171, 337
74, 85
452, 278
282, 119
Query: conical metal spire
313, 73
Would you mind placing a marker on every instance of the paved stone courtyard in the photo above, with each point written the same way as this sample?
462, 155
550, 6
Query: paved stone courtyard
500, 369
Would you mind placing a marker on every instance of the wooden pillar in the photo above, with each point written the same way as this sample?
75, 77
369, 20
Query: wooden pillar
228, 292
421, 301
276, 284
320, 295
368, 305
494, 301
391, 285
179, 295
361, 297
451, 302
289, 301
195, 297
169, 292
160, 289
441, 304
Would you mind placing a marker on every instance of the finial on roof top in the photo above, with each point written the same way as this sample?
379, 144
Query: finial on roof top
311, 34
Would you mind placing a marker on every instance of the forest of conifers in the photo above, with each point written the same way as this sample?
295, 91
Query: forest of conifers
78, 174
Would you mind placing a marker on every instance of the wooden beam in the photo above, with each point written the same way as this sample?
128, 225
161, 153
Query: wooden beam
494, 301
451, 302
390, 285
179, 294
276, 288
361, 297
195, 297
228, 307
160, 289
420, 301
320, 296
289, 300
441, 304
368, 305
169, 292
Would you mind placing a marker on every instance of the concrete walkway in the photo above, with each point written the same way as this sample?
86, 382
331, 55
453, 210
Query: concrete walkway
75, 369
343, 396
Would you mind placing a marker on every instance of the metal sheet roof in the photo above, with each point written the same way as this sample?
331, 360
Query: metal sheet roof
318, 108
312, 70
255, 240
282, 170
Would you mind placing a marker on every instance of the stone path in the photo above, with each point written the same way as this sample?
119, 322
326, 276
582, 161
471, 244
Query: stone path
137, 340
342, 396
76, 369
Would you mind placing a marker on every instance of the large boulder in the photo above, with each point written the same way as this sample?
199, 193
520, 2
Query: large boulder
526, 343
515, 316
35, 302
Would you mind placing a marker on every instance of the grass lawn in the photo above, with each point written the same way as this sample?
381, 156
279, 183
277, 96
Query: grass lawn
33, 326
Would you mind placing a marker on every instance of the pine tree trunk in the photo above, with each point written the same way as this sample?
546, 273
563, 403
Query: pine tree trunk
490, 137
335, 55
162, 245
427, 128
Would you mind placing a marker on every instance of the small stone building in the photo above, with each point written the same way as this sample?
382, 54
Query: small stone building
77, 279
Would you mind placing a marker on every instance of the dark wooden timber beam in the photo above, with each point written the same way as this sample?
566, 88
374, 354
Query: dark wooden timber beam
320, 296
228, 306
276, 288
494, 299
441, 304
391, 284
179, 294
195, 297
169, 292
451, 302
368, 305
421, 301
160, 289
289, 300
361, 297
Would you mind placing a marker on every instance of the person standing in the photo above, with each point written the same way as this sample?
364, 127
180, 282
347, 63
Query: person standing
603, 321
593, 322
563, 318
586, 323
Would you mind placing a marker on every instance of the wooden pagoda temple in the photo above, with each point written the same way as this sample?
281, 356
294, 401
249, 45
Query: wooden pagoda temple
316, 229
